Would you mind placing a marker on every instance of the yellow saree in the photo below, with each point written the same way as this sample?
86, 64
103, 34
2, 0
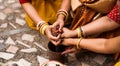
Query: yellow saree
46, 9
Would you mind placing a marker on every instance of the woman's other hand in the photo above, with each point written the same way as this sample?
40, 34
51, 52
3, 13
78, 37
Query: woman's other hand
54, 39
67, 33
60, 23
70, 42
71, 49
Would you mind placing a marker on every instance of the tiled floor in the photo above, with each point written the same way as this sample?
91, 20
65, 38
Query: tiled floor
15, 46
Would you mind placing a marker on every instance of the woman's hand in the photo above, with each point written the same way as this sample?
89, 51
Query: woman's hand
60, 23
71, 49
56, 28
67, 33
70, 42
54, 39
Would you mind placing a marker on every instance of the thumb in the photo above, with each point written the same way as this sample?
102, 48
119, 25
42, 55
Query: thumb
54, 24
72, 50
65, 52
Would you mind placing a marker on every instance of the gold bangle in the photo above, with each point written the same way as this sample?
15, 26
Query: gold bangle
79, 32
43, 30
62, 10
42, 27
77, 46
83, 32
62, 14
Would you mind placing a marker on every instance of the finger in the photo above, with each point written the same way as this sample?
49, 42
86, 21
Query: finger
65, 52
62, 35
50, 36
61, 27
68, 51
59, 36
56, 42
54, 25
54, 38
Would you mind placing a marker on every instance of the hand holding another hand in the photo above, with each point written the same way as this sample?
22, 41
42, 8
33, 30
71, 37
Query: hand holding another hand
55, 39
67, 33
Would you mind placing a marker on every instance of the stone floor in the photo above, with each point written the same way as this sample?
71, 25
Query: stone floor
19, 43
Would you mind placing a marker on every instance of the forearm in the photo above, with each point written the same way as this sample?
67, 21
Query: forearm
101, 45
30, 10
100, 25
65, 6
95, 45
113, 45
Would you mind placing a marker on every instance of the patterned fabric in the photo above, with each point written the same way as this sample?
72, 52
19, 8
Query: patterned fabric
114, 14
24, 1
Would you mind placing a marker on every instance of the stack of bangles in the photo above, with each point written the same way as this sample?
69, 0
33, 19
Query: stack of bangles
41, 26
81, 34
63, 12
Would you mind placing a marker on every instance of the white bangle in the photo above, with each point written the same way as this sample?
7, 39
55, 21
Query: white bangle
40, 22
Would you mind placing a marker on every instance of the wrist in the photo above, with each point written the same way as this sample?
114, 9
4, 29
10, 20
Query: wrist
80, 32
75, 33
43, 28
62, 14
39, 24
61, 17
72, 41
45, 31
